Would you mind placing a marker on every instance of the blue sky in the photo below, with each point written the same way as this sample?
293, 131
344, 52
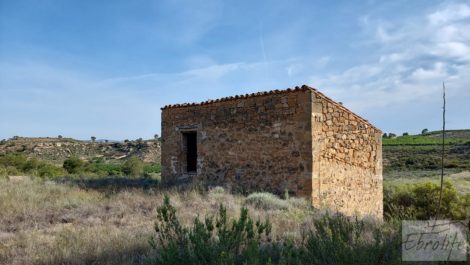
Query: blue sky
105, 68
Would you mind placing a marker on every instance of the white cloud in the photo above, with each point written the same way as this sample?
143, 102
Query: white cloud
452, 49
449, 13
414, 56
436, 73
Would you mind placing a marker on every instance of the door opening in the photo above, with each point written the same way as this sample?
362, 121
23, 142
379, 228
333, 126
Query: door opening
190, 147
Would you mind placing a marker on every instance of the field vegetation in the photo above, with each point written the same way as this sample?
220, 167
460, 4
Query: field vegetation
51, 222
97, 211
18, 164
429, 138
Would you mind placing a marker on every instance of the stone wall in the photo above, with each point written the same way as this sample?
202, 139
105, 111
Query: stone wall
296, 140
347, 154
258, 142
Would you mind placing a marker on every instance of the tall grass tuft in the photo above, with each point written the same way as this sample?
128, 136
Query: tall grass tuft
266, 201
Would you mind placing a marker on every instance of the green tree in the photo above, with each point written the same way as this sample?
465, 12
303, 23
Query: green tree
93, 139
73, 165
133, 167
424, 131
59, 136
405, 134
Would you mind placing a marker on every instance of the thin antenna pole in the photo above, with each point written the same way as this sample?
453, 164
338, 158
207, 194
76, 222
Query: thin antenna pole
443, 146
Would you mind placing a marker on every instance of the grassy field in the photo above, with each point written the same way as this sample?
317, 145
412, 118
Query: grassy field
42, 222
105, 219
417, 158
111, 221
430, 138
460, 180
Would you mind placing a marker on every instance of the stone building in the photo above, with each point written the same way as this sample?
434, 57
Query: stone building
296, 140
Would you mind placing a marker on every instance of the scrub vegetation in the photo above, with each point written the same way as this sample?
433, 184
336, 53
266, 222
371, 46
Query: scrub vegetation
97, 211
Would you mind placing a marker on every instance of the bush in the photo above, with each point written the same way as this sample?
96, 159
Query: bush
152, 168
217, 190
340, 240
219, 241
21, 165
421, 201
154, 176
13, 160
12, 171
3, 172
73, 165
47, 170
266, 201
335, 240
100, 168
133, 167
31, 165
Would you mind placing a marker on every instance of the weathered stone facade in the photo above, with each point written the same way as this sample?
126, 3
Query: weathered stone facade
296, 140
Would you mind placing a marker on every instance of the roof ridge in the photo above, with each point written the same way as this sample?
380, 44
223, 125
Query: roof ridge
265, 93
248, 95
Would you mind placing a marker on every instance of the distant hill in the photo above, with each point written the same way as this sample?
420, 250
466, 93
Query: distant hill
423, 152
430, 138
411, 152
56, 150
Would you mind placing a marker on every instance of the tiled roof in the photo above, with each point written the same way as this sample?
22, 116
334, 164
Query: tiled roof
265, 93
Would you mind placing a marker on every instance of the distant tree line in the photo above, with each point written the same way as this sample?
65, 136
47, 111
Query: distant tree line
393, 135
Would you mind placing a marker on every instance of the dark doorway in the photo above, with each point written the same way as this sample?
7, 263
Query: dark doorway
190, 147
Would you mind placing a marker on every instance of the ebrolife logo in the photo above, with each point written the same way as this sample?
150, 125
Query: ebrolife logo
434, 240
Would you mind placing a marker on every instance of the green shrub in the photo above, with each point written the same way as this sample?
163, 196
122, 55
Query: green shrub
266, 201
100, 168
3, 172
421, 201
49, 171
133, 167
152, 168
73, 165
341, 240
334, 240
15, 164
13, 160
31, 165
12, 171
212, 241
154, 176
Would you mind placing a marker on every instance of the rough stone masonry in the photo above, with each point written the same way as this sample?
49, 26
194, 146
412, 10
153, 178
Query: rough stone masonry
296, 140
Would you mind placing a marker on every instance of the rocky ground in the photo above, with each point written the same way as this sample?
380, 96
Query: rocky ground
56, 150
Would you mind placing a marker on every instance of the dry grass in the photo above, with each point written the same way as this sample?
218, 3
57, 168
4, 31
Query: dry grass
49, 223
460, 180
